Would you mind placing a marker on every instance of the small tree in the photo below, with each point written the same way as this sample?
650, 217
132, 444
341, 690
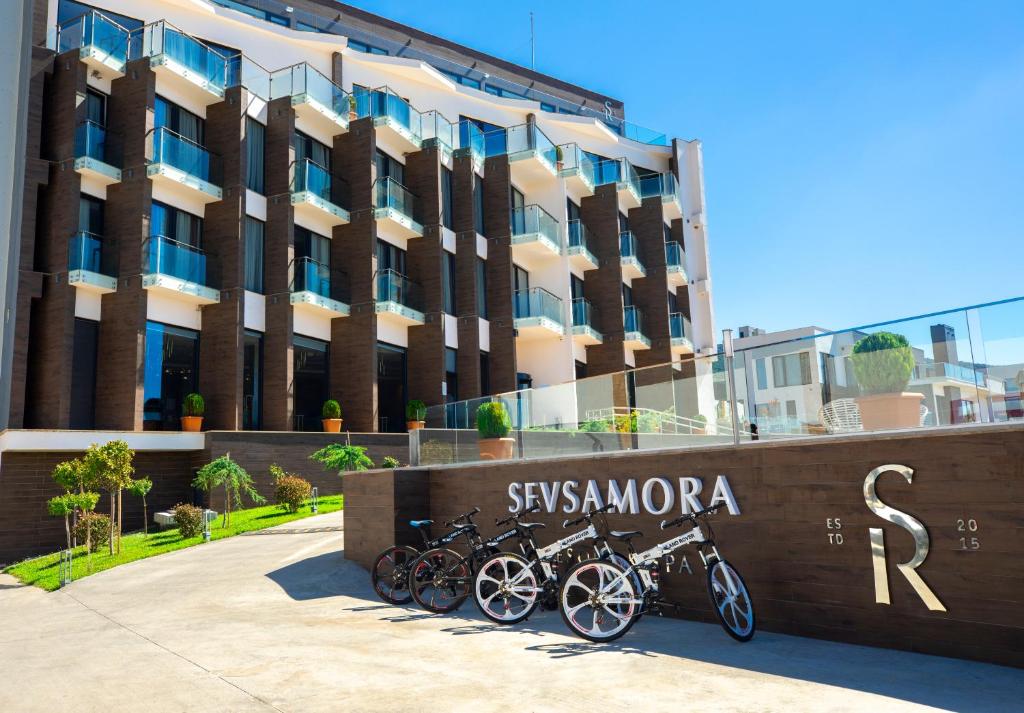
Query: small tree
342, 458
883, 363
110, 467
331, 409
234, 478
63, 506
140, 488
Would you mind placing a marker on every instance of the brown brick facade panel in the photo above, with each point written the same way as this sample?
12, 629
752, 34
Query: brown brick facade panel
497, 187
650, 293
603, 286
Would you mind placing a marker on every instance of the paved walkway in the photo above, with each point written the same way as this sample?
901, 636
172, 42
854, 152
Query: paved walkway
282, 622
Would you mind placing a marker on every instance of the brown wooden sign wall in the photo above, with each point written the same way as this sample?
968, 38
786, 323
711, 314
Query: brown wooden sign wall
946, 506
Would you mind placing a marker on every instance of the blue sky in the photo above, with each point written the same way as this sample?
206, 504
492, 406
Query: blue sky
863, 161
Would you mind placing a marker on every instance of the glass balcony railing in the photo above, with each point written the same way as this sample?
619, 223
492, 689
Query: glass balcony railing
91, 142
304, 84
309, 275
309, 176
85, 252
438, 129
673, 254
525, 140
190, 57
620, 172
173, 149
579, 236
679, 326
383, 103
395, 287
640, 134
584, 314
537, 302
628, 246
633, 320
98, 36
531, 221
390, 194
658, 184
167, 256
472, 139
574, 162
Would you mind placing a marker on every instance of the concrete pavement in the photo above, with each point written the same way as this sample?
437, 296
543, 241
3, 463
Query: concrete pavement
281, 621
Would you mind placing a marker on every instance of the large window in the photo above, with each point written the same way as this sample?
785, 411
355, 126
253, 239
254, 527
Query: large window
390, 257
517, 201
485, 373
96, 106
792, 369
171, 373
388, 167
90, 214
448, 286
762, 374
252, 381
310, 381
451, 376
572, 211
70, 9
176, 224
254, 231
255, 142
481, 288
392, 389
83, 374
308, 147
478, 205
181, 121
311, 245
446, 197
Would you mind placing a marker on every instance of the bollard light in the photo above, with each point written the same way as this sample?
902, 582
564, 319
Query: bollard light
206, 525
66, 557
314, 497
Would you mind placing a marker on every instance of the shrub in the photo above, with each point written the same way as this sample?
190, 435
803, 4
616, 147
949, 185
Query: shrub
883, 363
189, 519
194, 405
98, 525
331, 409
415, 410
342, 458
389, 462
292, 492
596, 425
492, 420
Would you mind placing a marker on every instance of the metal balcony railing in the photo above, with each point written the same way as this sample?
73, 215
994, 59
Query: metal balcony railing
395, 287
301, 81
101, 35
628, 246
633, 320
383, 103
204, 63
309, 275
533, 220
673, 254
173, 149
537, 302
389, 193
167, 256
311, 177
85, 252
584, 313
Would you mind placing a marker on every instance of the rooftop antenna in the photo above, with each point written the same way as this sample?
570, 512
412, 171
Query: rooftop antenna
533, 45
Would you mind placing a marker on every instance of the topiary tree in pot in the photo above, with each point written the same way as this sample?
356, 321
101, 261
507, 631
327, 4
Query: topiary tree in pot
883, 364
192, 413
415, 415
331, 414
493, 426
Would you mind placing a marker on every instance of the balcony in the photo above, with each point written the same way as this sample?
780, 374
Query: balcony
534, 233
317, 195
472, 143
537, 314
392, 115
193, 66
92, 157
577, 169
531, 155
621, 173
629, 252
633, 327
674, 261
665, 186
584, 319
101, 42
579, 246
177, 269
679, 329
396, 205
438, 131
317, 100
90, 267
399, 299
183, 165
317, 289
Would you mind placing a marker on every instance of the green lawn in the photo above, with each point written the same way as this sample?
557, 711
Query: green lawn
44, 571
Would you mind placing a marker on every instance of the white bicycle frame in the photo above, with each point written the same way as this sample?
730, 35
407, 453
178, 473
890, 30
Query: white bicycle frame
546, 554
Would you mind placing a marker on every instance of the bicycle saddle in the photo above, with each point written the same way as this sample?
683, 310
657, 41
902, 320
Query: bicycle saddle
531, 525
625, 536
421, 523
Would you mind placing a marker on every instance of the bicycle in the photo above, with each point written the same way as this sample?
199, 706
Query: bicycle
508, 587
448, 575
608, 590
392, 566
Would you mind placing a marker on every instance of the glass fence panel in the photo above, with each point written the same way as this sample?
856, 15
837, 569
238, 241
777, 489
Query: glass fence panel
470, 137
85, 252
185, 155
170, 257
673, 254
389, 193
537, 302
533, 219
997, 363
395, 287
525, 138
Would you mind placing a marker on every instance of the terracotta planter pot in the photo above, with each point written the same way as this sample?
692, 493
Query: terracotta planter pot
332, 425
496, 448
192, 423
882, 411
413, 425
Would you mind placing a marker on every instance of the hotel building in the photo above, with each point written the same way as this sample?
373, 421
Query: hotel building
273, 205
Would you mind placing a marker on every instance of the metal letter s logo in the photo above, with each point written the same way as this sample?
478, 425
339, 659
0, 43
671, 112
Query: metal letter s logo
908, 523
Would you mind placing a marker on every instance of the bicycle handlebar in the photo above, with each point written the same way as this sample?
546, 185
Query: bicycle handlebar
588, 515
516, 515
691, 516
466, 516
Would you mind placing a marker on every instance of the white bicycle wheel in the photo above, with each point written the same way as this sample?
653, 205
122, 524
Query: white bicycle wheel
506, 588
731, 600
598, 600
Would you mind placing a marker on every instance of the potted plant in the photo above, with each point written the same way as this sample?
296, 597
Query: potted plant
699, 426
559, 156
493, 426
352, 115
331, 414
415, 415
883, 364
192, 413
